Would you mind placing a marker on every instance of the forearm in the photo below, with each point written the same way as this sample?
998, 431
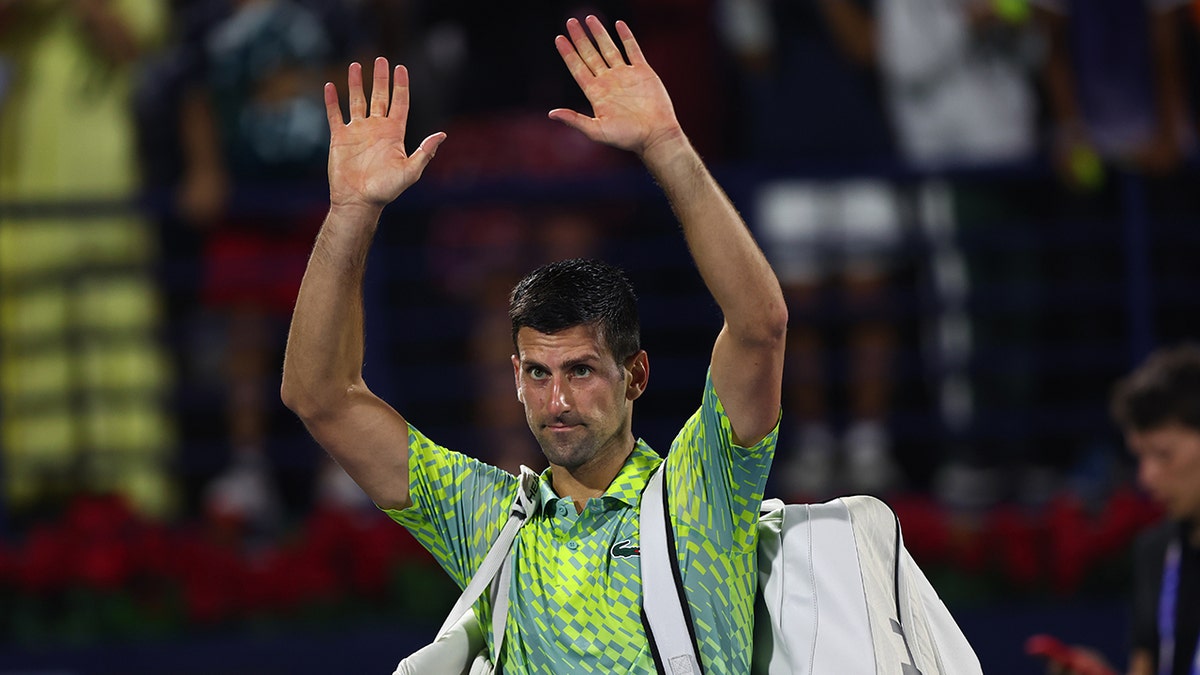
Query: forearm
199, 138
747, 357
1058, 77
729, 260
323, 362
1169, 96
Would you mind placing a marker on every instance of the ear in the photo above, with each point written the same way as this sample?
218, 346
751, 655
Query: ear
638, 367
516, 363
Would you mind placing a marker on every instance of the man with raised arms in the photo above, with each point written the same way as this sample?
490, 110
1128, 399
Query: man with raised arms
578, 368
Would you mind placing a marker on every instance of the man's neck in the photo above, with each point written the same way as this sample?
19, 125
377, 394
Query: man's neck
590, 480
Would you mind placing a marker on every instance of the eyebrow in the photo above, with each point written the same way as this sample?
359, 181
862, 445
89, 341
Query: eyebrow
586, 360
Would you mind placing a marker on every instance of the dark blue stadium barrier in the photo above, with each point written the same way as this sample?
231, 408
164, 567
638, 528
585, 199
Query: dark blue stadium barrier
997, 633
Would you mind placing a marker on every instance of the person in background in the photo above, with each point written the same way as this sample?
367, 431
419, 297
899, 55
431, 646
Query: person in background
83, 375
251, 123
1115, 84
1158, 408
1116, 96
834, 242
957, 83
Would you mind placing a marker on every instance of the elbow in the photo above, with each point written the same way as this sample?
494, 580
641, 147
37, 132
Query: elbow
766, 332
293, 398
315, 405
777, 321
302, 401
771, 329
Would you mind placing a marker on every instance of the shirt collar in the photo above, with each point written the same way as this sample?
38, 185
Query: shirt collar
625, 488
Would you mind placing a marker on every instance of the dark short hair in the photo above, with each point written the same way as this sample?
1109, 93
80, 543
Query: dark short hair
579, 292
1164, 390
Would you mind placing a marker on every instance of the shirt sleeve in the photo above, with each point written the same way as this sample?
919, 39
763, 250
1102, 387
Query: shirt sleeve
715, 484
459, 505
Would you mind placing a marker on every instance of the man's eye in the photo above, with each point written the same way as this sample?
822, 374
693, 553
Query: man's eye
536, 373
582, 371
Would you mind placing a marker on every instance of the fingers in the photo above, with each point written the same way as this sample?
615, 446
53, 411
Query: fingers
631, 46
608, 49
585, 48
381, 104
379, 88
358, 102
399, 109
570, 57
333, 109
579, 52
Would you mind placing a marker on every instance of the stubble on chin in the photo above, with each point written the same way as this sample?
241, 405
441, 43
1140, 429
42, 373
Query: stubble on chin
560, 452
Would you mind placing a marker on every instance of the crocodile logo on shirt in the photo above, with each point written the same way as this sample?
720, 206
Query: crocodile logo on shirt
624, 549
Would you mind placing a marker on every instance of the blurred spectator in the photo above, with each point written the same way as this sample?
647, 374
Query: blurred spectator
844, 234
956, 79
82, 375
1116, 92
253, 125
804, 100
823, 236
1157, 407
1115, 84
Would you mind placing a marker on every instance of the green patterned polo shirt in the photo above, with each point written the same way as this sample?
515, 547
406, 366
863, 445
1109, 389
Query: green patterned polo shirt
576, 595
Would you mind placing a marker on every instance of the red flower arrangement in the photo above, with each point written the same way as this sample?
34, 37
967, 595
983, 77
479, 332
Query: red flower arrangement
101, 571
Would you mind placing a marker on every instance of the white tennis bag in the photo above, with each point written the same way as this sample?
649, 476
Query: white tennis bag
838, 593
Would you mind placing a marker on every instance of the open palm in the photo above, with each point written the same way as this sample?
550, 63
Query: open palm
630, 106
368, 164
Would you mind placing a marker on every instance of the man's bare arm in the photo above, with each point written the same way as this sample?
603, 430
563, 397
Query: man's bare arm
322, 372
632, 111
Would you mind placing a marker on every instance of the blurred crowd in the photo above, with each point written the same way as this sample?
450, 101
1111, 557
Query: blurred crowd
896, 149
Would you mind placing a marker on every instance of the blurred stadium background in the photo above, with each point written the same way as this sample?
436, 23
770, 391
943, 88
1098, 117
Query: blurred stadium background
1015, 295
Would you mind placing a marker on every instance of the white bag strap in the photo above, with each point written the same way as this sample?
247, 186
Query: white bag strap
668, 623
496, 565
500, 606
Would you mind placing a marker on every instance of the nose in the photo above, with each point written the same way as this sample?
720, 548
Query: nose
560, 400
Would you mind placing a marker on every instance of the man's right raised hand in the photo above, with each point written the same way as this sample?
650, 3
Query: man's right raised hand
368, 165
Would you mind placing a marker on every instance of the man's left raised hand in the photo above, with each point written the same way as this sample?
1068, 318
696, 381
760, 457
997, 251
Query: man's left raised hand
631, 108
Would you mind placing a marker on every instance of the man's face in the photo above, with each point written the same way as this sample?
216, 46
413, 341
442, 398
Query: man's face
578, 400
1169, 467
